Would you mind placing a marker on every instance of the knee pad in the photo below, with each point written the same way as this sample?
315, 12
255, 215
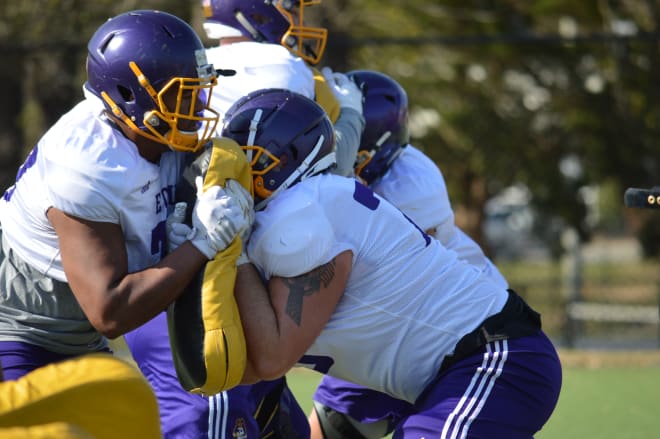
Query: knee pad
337, 425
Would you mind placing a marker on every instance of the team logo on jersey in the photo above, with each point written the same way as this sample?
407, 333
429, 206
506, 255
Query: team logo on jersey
239, 431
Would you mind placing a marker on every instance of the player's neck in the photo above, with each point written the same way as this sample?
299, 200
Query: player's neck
231, 40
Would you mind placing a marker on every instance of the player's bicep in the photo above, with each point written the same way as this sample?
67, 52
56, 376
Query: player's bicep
93, 256
305, 303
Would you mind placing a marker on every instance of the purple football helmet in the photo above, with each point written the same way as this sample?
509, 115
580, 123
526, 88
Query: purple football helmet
272, 21
138, 58
385, 134
286, 136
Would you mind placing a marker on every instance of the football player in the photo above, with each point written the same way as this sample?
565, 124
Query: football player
358, 291
407, 178
260, 45
83, 228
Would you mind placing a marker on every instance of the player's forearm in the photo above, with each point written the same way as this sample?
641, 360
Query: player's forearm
265, 345
140, 296
250, 375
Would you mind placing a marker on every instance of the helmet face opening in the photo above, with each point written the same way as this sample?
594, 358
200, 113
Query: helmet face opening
286, 137
150, 70
386, 129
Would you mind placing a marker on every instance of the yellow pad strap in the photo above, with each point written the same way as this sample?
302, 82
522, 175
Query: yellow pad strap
97, 393
325, 97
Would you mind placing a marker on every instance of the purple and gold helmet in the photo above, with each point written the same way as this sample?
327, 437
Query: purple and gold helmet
272, 21
385, 111
135, 58
286, 136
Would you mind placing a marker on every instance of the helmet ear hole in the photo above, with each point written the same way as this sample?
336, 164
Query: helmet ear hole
294, 152
125, 93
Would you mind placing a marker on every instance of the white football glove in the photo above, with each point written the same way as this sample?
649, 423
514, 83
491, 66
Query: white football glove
235, 189
217, 219
344, 88
177, 232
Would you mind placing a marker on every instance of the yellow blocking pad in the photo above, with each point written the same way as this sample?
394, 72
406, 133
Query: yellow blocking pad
224, 347
59, 430
325, 97
96, 394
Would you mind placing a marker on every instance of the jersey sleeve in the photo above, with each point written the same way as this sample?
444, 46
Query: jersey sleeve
348, 131
89, 191
288, 242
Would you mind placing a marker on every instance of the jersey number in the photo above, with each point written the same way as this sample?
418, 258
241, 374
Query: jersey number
319, 363
29, 162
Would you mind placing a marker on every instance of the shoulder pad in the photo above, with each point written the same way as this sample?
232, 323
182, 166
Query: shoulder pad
288, 240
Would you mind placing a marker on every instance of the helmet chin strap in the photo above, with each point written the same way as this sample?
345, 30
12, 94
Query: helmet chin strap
186, 138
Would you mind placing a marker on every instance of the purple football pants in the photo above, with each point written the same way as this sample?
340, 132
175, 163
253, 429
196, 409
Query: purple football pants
507, 390
230, 414
18, 359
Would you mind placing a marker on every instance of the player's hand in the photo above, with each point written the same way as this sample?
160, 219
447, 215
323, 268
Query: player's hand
345, 89
217, 219
177, 234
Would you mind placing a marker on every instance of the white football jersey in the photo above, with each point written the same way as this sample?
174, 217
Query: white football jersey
257, 66
88, 169
416, 185
408, 299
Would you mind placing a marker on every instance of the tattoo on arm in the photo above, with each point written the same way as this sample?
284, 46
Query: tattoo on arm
306, 285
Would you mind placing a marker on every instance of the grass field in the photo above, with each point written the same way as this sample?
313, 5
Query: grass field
605, 395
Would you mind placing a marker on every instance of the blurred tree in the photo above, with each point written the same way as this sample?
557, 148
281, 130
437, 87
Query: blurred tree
557, 95
554, 94
43, 50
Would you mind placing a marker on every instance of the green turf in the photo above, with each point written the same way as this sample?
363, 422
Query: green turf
619, 403
303, 382
606, 403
